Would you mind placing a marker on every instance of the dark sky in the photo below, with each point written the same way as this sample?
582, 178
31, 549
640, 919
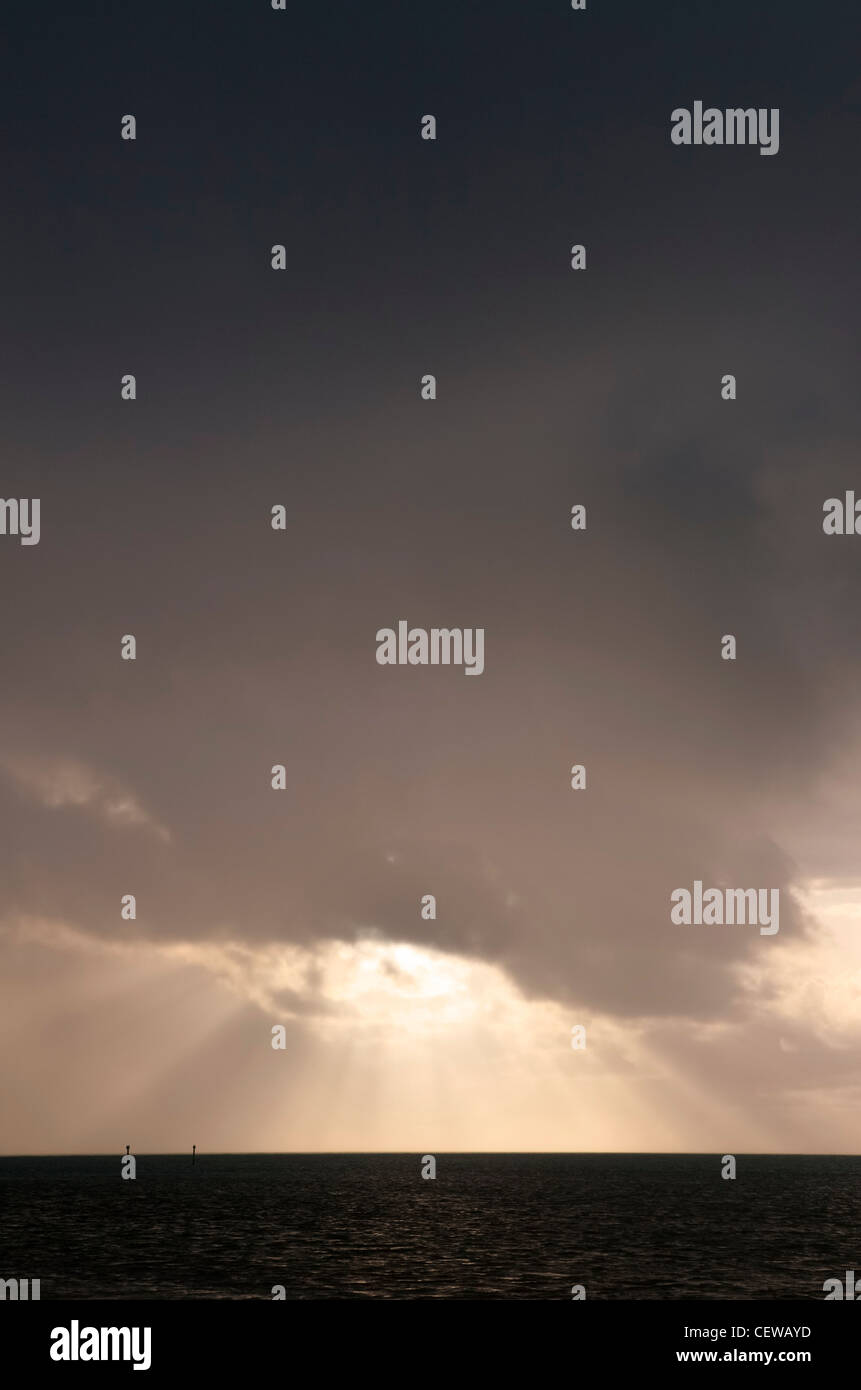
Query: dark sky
255, 647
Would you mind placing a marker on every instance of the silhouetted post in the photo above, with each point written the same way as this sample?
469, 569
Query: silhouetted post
127, 1148
193, 1152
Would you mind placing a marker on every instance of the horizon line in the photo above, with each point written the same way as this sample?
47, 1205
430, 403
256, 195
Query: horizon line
472, 1153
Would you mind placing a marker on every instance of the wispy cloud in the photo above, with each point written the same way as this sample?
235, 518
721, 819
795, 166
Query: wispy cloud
61, 783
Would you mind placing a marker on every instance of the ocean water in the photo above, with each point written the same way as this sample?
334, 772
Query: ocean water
524, 1226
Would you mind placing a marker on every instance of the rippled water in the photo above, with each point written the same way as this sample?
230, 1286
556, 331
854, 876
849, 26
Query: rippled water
525, 1226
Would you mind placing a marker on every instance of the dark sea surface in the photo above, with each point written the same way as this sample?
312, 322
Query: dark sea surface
524, 1226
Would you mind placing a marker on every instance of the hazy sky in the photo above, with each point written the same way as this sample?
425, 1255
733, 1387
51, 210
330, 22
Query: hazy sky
256, 647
